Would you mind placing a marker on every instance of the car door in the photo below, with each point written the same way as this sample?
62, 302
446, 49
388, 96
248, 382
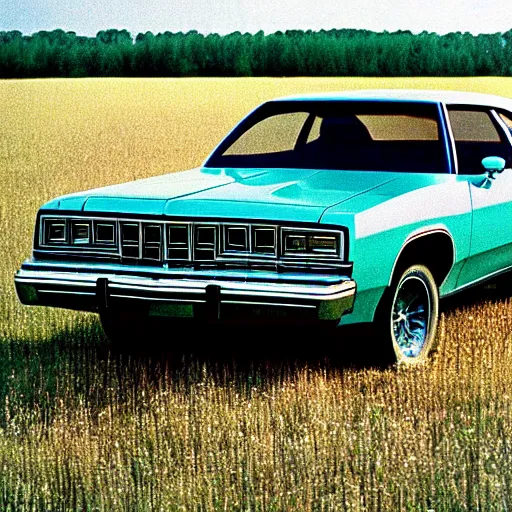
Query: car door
479, 133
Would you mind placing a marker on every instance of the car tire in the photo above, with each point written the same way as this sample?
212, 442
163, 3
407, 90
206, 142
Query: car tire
408, 316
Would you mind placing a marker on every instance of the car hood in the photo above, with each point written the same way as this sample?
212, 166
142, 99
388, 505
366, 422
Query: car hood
277, 194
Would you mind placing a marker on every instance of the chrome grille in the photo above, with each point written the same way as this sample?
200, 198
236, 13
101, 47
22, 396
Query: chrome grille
186, 243
141, 240
205, 243
264, 240
105, 233
178, 242
236, 238
152, 242
130, 240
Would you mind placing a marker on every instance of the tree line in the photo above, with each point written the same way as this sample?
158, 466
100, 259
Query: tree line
344, 52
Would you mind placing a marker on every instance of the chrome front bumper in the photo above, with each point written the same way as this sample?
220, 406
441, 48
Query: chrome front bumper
169, 292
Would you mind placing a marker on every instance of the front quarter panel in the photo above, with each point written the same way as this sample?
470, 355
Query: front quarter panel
384, 222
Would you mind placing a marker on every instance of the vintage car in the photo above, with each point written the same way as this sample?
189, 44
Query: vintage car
353, 207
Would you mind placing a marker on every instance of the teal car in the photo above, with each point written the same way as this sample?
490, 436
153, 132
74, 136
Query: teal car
331, 209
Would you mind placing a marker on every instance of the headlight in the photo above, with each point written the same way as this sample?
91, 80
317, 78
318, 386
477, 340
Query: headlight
303, 242
81, 233
54, 231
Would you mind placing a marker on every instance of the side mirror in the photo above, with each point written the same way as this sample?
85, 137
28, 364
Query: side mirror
493, 164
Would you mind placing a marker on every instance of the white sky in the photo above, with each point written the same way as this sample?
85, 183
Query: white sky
87, 17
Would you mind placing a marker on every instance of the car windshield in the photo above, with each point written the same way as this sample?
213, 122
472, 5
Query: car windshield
348, 135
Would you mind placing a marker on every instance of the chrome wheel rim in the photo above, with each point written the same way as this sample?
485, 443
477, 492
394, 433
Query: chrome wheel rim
410, 316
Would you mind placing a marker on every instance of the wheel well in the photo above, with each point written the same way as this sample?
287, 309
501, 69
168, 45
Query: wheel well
434, 250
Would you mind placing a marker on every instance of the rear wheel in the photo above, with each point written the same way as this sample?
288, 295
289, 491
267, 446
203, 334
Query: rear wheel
408, 316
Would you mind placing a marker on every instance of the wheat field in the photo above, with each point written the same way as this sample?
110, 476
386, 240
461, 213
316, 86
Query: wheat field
191, 426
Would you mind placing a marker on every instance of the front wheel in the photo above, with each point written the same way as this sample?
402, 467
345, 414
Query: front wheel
409, 315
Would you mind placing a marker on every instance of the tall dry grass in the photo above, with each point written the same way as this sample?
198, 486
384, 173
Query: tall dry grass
192, 428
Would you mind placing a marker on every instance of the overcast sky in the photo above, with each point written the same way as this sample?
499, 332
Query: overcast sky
87, 17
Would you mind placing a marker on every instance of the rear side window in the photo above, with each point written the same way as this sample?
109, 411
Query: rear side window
507, 119
476, 136
473, 126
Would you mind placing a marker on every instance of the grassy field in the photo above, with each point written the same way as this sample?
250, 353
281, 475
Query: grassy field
196, 428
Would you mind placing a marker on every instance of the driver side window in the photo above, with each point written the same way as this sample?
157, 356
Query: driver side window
476, 137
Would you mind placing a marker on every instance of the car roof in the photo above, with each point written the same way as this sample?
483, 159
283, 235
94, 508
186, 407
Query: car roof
404, 95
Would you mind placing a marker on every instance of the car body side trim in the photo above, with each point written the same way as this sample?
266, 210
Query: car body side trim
478, 281
502, 125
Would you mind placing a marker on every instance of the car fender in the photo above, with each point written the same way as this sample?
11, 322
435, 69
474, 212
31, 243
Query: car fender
382, 231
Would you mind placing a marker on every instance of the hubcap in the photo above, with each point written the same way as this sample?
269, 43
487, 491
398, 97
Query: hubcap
410, 316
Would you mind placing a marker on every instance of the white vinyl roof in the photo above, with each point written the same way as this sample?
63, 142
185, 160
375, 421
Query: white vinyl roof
427, 96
